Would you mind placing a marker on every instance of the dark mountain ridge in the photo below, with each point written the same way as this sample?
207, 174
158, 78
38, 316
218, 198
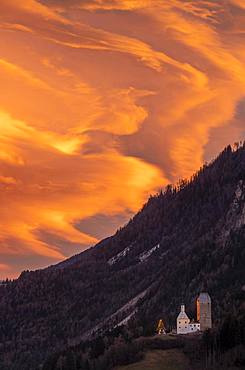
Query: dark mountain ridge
189, 238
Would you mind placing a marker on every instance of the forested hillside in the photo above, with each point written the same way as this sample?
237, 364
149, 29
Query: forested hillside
186, 239
222, 348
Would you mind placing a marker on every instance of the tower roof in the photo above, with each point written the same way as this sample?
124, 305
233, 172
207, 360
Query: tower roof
182, 315
204, 298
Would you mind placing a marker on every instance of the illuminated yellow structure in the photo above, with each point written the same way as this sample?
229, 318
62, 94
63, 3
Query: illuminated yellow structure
161, 327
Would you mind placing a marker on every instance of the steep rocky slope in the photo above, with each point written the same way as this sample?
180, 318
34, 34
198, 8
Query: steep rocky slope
189, 238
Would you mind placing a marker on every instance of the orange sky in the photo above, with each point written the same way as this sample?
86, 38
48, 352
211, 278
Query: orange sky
102, 102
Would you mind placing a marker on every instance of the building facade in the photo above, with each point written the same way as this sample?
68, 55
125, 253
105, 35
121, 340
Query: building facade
182, 321
194, 326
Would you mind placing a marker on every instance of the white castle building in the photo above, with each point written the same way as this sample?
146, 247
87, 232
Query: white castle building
204, 321
184, 325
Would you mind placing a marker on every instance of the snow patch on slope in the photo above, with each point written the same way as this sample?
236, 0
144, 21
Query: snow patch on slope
145, 255
142, 257
118, 256
126, 320
118, 318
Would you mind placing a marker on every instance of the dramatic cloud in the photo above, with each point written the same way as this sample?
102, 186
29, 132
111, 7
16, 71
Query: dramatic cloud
102, 103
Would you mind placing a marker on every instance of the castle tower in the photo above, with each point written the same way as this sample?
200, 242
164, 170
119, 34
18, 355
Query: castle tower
204, 311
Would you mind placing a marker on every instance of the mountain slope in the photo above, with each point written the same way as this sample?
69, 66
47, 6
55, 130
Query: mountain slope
189, 238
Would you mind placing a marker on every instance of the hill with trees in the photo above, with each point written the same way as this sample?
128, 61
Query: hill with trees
186, 239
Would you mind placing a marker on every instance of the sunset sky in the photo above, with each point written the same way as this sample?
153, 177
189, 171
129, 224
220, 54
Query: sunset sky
102, 103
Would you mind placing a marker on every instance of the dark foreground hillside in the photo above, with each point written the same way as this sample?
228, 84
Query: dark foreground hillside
222, 348
188, 239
